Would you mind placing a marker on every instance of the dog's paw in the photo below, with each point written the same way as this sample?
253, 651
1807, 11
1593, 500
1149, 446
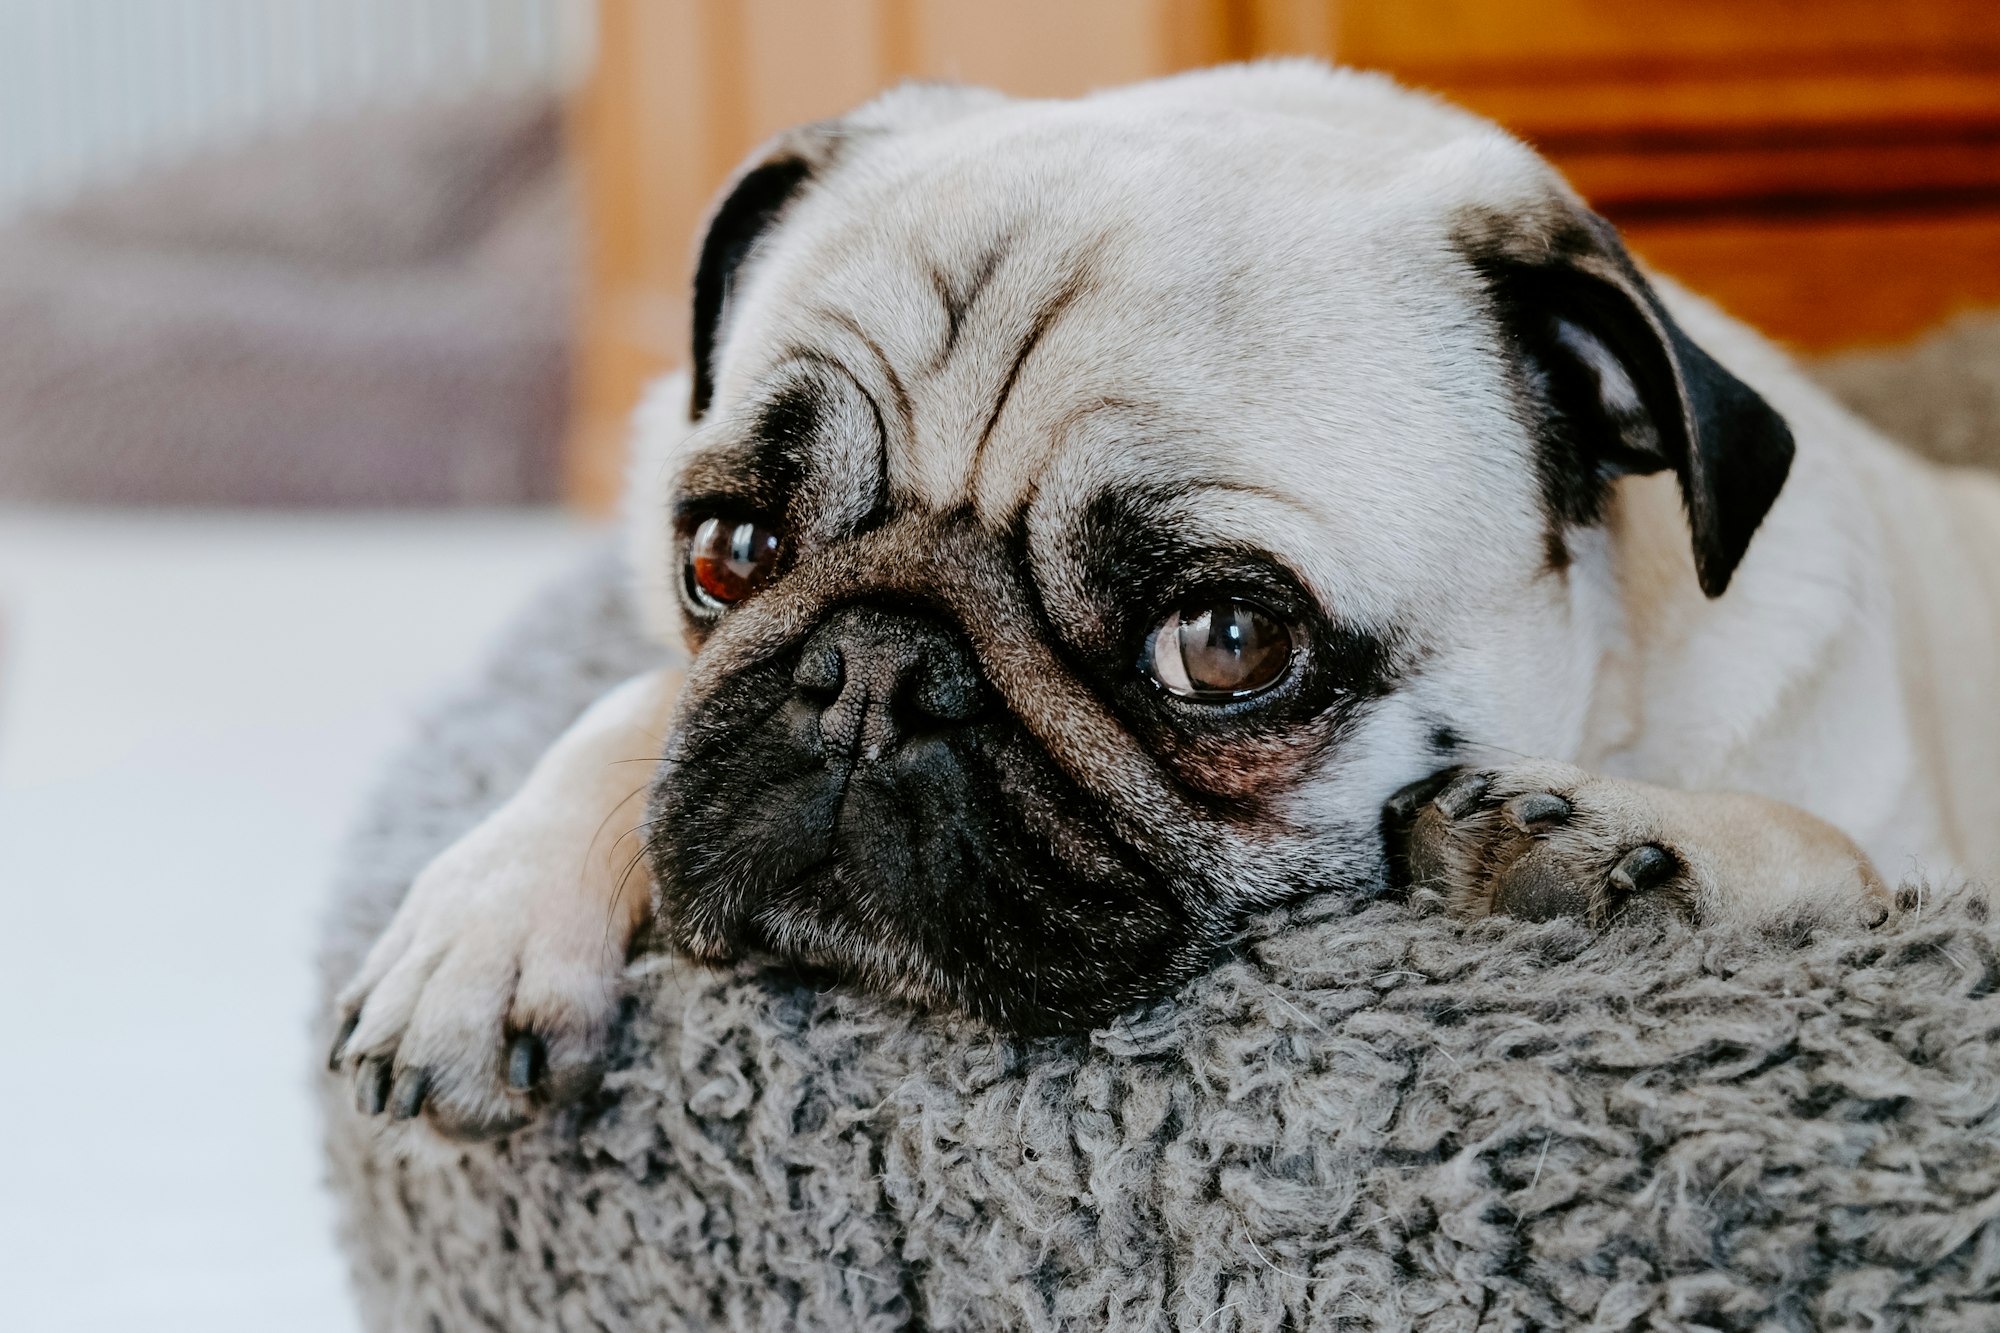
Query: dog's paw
1539, 840
490, 997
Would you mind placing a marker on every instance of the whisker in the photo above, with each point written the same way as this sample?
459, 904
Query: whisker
618, 898
606, 821
1491, 748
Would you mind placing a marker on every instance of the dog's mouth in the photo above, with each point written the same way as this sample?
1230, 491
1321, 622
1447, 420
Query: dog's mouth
929, 884
941, 855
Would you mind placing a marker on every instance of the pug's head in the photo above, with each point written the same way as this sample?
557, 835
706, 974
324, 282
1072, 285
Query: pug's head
1088, 513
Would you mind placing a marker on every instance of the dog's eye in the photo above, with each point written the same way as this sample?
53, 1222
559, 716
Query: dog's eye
1219, 648
728, 559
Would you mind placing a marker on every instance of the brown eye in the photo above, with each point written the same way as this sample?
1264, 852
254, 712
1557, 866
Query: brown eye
727, 560
1217, 649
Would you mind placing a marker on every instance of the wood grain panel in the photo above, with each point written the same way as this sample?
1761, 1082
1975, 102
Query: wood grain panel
1833, 281
1050, 48
1721, 178
807, 62
1557, 104
1471, 35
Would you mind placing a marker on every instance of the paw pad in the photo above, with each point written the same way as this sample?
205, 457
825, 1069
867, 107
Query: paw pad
1534, 842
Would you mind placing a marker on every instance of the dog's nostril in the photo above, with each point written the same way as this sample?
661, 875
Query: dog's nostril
946, 693
819, 673
876, 678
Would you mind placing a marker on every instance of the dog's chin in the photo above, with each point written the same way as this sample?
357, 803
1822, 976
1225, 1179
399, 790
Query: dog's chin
967, 879
826, 927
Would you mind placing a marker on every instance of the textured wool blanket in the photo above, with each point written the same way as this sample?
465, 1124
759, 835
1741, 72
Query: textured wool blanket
1358, 1119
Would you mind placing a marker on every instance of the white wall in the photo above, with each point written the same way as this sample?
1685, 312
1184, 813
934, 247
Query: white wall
92, 89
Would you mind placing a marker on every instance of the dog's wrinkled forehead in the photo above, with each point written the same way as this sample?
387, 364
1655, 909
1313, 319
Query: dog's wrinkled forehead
1025, 308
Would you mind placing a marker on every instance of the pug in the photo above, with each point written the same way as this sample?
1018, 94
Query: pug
1086, 522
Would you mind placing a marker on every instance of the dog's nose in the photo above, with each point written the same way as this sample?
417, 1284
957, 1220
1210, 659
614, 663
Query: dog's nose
879, 677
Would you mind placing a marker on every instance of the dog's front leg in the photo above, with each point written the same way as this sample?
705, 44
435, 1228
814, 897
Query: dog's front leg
493, 990
1541, 839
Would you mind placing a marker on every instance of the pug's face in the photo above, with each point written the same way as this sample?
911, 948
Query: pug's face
1092, 512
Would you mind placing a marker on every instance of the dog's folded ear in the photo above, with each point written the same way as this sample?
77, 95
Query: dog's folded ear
775, 176
1618, 388
748, 207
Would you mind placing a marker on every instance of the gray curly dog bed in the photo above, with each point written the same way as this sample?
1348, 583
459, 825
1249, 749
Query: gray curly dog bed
1360, 1119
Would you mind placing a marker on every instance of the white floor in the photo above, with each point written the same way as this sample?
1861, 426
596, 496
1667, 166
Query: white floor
190, 707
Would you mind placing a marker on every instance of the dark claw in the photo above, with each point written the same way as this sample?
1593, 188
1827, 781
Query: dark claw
1402, 808
1643, 869
333, 1056
1535, 811
1537, 888
526, 1060
408, 1097
371, 1086
1463, 794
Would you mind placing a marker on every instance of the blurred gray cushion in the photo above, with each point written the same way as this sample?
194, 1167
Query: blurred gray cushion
370, 311
1941, 394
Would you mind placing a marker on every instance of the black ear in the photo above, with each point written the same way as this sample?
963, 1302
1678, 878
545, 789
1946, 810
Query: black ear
775, 176
748, 208
744, 213
1618, 388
